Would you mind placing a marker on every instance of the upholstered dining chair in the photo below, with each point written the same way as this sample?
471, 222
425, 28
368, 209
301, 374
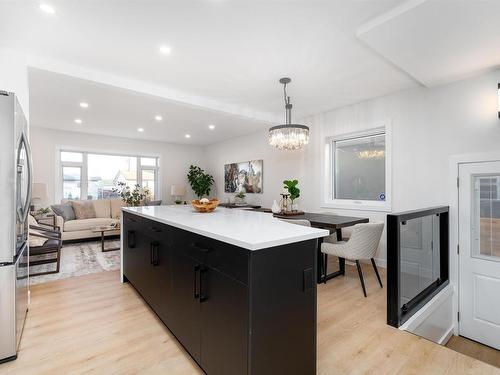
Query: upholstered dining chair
362, 244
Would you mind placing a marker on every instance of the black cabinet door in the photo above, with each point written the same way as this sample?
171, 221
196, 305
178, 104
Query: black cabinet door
224, 323
159, 279
136, 260
184, 311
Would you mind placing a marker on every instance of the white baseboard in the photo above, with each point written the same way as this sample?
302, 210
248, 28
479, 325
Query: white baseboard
446, 337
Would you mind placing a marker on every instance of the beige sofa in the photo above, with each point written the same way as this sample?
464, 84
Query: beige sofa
107, 211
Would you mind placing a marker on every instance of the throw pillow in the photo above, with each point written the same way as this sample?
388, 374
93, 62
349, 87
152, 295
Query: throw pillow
64, 210
83, 209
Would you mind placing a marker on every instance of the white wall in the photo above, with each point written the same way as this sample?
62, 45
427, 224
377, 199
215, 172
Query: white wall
428, 126
14, 77
174, 159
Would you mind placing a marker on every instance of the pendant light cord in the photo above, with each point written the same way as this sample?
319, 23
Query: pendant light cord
288, 106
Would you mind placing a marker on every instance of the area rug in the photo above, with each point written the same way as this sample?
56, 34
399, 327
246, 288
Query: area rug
79, 259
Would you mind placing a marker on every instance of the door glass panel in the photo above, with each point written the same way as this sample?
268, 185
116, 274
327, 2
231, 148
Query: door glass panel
485, 222
72, 182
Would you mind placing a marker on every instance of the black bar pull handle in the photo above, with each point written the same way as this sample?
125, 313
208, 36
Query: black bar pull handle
203, 292
201, 248
131, 238
196, 294
131, 219
155, 261
154, 229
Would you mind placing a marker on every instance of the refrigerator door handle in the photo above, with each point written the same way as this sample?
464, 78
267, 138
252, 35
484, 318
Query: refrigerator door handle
23, 209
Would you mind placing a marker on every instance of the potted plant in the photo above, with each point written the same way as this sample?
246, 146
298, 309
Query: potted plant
136, 197
200, 181
239, 199
41, 212
293, 190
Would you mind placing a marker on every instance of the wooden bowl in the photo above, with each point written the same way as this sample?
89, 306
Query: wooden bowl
205, 207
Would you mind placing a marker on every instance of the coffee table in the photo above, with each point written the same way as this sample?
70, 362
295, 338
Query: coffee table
103, 229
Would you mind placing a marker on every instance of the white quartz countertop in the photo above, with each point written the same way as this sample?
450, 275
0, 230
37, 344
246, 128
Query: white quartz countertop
247, 229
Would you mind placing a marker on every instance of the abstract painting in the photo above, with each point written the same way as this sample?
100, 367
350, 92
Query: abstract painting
243, 177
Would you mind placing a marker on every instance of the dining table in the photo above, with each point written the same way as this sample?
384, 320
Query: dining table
334, 223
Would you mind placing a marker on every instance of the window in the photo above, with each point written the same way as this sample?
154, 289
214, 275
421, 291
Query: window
357, 170
95, 175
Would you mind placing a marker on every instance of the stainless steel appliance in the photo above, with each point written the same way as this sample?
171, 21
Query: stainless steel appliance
15, 185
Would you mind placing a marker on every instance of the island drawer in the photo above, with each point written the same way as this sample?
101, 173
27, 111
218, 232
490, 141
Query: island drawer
225, 258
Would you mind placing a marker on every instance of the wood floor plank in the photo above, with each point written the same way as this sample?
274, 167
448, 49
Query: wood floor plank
93, 324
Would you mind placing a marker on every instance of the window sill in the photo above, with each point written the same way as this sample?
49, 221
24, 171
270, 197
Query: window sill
365, 206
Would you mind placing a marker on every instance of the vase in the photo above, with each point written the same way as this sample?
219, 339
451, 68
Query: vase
295, 207
239, 201
276, 209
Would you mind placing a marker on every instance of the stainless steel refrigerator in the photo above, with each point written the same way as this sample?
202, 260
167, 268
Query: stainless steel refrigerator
15, 188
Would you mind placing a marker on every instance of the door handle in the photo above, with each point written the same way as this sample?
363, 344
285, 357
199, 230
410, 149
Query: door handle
203, 249
203, 292
155, 261
196, 294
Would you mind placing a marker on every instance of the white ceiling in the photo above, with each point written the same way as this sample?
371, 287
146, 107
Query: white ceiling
230, 51
229, 54
438, 41
55, 103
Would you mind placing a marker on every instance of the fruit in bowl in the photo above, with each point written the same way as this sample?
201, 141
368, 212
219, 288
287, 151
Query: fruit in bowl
204, 204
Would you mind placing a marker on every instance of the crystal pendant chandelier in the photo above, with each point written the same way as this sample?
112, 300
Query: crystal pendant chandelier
288, 136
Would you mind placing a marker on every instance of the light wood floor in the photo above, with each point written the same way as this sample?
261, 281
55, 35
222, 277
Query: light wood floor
475, 350
92, 324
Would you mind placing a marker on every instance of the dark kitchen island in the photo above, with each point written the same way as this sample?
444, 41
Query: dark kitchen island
236, 288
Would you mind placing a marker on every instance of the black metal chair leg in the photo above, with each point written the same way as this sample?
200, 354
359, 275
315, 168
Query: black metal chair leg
360, 273
376, 272
325, 262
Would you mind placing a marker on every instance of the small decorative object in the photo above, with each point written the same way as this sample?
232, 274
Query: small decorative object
177, 191
136, 197
284, 202
243, 177
276, 209
204, 205
288, 136
200, 182
41, 212
239, 199
293, 191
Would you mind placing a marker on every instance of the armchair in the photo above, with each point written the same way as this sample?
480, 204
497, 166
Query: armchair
46, 242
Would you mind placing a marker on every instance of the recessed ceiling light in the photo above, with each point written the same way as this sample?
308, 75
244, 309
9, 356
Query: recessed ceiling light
84, 105
165, 50
158, 118
78, 121
140, 130
211, 127
187, 136
47, 8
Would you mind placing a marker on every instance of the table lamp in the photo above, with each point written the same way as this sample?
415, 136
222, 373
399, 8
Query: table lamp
178, 191
39, 195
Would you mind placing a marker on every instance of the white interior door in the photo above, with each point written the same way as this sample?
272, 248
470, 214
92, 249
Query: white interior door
479, 239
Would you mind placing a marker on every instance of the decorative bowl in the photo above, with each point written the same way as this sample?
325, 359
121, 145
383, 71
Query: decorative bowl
205, 207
